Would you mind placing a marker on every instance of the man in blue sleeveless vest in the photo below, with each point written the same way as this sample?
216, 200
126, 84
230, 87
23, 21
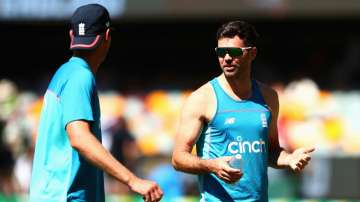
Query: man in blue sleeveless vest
233, 117
69, 158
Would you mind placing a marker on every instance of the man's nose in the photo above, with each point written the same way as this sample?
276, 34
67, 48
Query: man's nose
228, 58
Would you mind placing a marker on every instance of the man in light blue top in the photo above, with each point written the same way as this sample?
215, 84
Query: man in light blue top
233, 118
69, 158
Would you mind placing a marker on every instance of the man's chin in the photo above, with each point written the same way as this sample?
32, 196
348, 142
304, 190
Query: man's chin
230, 73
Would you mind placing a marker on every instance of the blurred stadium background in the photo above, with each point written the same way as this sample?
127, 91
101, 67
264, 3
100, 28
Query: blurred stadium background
309, 51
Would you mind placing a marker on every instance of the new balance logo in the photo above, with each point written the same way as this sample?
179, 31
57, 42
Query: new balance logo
81, 29
229, 121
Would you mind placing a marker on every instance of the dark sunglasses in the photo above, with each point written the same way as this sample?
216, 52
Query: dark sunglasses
233, 52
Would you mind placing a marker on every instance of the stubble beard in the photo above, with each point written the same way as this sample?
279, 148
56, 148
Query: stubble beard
232, 73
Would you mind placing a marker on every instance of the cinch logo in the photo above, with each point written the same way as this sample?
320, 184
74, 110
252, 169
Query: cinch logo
240, 146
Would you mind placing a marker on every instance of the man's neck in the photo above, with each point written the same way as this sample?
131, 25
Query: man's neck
239, 87
92, 61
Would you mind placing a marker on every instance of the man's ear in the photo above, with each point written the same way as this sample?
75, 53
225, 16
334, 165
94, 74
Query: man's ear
71, 33
107, 34
253, 52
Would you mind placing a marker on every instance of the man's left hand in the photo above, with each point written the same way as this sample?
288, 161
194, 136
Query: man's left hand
300, 158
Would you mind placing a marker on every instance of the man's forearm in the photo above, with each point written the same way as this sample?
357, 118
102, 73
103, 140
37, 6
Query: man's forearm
92, 150
189, 163
279, 159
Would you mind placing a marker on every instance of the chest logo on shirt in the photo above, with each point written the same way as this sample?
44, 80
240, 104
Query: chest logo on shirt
263, 120
229, 121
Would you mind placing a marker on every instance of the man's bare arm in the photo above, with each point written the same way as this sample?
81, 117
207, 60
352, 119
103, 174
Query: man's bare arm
191, 123
278, 156
91, 149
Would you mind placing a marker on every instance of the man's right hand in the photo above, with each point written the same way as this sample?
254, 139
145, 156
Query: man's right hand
150, 191
221, 168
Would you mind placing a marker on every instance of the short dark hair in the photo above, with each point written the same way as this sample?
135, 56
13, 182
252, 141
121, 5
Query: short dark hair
242, 29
